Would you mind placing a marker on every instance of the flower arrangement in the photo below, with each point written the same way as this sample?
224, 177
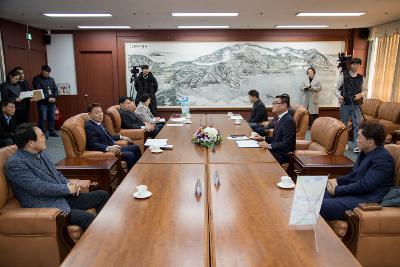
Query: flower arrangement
207, 137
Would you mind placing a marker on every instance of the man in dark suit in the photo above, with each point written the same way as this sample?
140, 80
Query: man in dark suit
259, 112
370, 179
98, 139
146, 83
46, 106
283, 139
7, 123
129, 120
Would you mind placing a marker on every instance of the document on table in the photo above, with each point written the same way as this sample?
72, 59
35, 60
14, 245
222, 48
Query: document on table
307, 200
178, 119
237, 117
156, 142
162, 120
26, 94
174, 124
247, 143
237, 138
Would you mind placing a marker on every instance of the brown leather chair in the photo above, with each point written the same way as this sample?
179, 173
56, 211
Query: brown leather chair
74, 138
112, 122
374, 236
31, 236
329, 136
301, 117
370, 108
389, 116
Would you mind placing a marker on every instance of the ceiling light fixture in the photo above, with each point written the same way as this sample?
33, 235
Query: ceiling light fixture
330, 14
300, 26
182, 14
204, 27
60, 15
104, 27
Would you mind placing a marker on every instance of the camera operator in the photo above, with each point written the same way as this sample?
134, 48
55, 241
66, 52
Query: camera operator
350, 89
146, 83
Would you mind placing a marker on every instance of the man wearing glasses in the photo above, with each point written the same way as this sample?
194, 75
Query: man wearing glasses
283, 139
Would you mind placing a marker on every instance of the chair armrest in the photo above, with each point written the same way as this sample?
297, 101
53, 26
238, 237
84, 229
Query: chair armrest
134, 134
303, 144
121, 142
384, 221
29, 221
97, 154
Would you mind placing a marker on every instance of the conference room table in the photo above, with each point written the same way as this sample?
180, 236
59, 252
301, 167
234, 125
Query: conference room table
240, 221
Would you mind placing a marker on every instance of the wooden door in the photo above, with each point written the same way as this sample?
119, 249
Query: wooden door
96, 83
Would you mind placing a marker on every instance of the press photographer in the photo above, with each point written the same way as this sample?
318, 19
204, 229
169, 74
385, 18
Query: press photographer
350, 89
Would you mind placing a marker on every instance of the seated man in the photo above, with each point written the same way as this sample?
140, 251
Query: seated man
283, 139
129, 120
98, 139
7, 123
37, 184
370, 179
259, 112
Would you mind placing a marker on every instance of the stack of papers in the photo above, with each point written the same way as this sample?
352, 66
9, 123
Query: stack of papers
156, 142
237, 138
247, 143
174, 124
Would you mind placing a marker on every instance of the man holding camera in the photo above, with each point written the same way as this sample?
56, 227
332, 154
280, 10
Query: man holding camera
350, 89
146, 83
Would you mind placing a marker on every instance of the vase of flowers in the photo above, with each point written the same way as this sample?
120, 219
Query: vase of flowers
207, 137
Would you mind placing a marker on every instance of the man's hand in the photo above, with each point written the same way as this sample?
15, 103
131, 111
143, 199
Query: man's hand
52, 100
73, 188
115, 149
341, 99
331, 186
126, 138
148, 127
264, 123
358, 96
18, 100
263, 144
258, 138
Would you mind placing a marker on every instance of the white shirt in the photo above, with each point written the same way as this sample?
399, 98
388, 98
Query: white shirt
283, 114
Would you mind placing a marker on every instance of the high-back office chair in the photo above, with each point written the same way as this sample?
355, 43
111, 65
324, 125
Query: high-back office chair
301, 118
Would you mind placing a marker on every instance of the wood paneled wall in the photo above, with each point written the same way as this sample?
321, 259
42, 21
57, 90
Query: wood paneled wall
113, 42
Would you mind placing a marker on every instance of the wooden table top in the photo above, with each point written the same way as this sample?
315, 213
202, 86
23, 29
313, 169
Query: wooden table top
249, 222
167, 229
86, 163
327, 161
228, 151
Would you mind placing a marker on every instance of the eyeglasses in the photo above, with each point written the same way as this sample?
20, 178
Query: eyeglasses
276, 103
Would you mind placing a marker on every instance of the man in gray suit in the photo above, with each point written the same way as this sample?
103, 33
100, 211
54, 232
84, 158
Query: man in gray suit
37, 184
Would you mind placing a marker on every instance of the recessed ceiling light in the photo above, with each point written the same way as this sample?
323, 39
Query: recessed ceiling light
181, 14
60, 15
300, 26
104, 27
204, 27
330, 14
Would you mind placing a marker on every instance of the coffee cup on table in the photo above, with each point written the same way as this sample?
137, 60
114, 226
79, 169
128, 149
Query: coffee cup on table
237, 121
286, 180
230, 114
141, 190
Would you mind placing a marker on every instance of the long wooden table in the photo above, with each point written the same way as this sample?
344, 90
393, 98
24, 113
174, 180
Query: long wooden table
242, 222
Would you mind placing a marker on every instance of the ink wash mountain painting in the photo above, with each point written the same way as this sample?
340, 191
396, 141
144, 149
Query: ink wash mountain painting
219, 74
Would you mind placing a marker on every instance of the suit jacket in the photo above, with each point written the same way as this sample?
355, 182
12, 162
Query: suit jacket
129, 120
97, 137
258, 113
283, 139
371, 177
10, 91
311, 97
6, 130
36, 182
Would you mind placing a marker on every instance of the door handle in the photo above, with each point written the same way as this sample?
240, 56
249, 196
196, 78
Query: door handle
86, 95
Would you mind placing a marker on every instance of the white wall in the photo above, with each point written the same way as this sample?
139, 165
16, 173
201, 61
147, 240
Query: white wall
61, 59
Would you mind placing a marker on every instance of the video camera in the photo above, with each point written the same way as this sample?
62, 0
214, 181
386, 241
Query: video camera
343, 61
135, 71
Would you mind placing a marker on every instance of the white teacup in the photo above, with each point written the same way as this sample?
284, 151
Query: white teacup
155, 149
188, 116
237, 122
141, 189
286, 180
230, 113
253, 134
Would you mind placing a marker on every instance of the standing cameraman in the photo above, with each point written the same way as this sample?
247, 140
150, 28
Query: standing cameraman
350, 89
147, 84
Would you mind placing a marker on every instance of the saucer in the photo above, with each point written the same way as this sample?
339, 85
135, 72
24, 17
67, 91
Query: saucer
281, 185
156, 150
188, 121
148, 194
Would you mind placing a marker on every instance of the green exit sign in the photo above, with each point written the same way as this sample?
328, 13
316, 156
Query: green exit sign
28, 36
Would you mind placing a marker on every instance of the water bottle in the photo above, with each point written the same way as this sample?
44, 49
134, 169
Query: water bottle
185, 106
